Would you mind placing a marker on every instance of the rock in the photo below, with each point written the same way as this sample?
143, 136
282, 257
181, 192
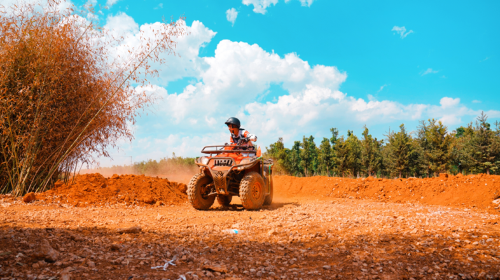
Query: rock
91, 264
47, 252
29, 197
327, 267
65, 273
496, 201
114, 247
129, 230
149, 200
215, 268
159, 203
272, 232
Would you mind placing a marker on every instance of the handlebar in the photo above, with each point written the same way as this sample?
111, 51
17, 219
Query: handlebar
235, 149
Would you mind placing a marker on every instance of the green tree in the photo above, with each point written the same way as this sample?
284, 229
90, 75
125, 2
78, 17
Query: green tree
435, 142
371, 157
308, 155
314, 155
341, 155
354, 154
325, 157
415, 157
335, 135
399, 150
295, 159
486, 146
280, 155
462, 152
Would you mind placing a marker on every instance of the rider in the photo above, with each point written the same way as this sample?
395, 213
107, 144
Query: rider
238, 134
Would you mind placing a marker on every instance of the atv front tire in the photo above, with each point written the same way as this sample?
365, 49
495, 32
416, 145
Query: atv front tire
252, 191
197, 191
224, 200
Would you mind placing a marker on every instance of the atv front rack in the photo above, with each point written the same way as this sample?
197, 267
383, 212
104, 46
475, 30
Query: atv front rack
220, 149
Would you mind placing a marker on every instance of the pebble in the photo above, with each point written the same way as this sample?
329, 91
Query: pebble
47, 252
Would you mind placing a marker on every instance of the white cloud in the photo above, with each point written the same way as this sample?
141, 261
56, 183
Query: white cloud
122, 25
447, 102
260, 6
476, 101
381, 88
160, 6
110, 3
186, 63
231, 15
452, 111
402, 31
307, 3
429, 71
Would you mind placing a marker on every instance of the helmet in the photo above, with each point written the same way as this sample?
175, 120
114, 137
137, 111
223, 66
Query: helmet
233, 120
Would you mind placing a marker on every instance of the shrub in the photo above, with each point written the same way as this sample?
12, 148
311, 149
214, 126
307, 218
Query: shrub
64, 98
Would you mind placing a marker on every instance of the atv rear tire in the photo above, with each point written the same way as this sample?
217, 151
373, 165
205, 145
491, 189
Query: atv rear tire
269, 198
252, 192
224, 200
197, 192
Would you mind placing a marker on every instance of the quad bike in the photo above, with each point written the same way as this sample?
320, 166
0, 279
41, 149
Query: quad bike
231, 170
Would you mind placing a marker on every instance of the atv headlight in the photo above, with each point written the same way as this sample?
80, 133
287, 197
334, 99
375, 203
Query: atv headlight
243, 161
203, 160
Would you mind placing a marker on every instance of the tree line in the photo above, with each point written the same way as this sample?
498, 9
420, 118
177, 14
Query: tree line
426, 152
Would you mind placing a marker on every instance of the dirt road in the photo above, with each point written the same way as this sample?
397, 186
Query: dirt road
297, 237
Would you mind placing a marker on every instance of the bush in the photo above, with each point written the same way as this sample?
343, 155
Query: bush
63, 99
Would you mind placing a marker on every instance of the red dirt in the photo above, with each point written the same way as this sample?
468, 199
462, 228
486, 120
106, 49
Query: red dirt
313, 230
461, 191
94, 190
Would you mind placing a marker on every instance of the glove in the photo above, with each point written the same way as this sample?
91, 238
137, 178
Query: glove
243, 140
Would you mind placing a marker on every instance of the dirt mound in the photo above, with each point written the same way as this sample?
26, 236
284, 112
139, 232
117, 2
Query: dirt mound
94, 189
464, 191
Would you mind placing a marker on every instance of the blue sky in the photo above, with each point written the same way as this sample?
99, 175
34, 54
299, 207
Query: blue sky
299, 67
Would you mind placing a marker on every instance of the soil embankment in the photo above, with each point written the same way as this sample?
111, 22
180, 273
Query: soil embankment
96, 190
459, 191
473, 191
